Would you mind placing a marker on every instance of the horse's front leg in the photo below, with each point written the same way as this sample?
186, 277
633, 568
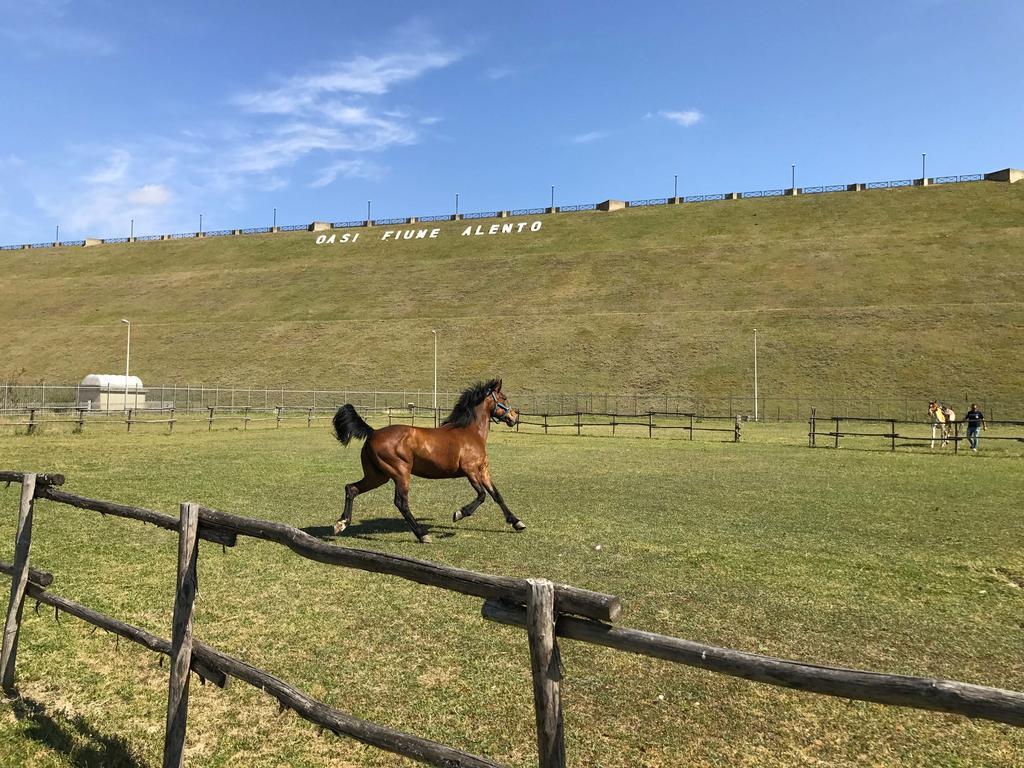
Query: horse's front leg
472, 507
511, 519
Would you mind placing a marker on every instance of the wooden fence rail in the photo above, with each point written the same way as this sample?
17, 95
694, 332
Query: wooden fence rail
892, 434
542, 608
652, 421
212, 665
975, 701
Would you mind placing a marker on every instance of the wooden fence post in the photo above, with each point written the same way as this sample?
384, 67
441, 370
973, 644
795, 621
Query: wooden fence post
129, 420
309, 419
577, 424
691, 426
181, 637
31, 421
650, 424
837, 430
545, 423
81, 419
209, 425
892, 423
736, 429
545, 664
22, 544
170, 422
278, 409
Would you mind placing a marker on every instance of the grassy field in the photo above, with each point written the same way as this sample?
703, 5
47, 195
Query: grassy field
907, 563
890, 292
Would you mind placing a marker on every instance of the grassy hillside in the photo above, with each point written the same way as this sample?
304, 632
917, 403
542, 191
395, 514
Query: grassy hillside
889, 292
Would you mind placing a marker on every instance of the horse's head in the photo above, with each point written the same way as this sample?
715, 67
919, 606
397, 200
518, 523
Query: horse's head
501, 410
933, 407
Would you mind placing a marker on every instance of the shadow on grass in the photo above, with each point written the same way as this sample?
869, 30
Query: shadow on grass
373, 527
75, 738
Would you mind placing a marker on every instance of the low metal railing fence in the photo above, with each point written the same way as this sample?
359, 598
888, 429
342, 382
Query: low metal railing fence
963, 178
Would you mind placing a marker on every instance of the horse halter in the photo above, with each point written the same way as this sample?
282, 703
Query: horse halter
498, 416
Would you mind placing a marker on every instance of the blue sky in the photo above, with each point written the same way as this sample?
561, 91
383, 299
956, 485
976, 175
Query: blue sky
160, 112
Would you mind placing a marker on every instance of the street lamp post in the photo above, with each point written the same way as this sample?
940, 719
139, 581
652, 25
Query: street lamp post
456, 206
923, 155
552, 198
435, 375
368, 212
127, 360
57, 240
675, 185
755, 374
792, 176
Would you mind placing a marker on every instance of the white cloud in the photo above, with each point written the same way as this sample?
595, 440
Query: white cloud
586, 138
685, 118
336, 115
336, 110
498, 73
113, 169
35, 27
360, 76
352, 169
150, 195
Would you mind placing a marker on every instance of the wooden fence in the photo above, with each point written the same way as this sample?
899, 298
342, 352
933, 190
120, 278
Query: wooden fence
891, 435
547, 611
652, 421
581, 422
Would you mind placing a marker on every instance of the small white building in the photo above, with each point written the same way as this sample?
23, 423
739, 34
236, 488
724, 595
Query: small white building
111, 392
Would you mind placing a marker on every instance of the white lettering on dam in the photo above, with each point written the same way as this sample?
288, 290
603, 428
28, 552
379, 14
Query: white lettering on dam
501, 229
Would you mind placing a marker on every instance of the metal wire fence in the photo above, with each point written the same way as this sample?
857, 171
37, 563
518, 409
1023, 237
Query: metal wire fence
770, 407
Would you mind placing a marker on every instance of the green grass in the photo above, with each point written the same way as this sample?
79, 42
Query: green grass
906, 563
891, 292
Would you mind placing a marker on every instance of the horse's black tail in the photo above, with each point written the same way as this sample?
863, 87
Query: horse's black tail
349, 424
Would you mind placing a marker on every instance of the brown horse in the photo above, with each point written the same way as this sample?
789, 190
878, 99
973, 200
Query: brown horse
458, 448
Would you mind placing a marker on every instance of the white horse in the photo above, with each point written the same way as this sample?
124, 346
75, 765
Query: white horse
942, 419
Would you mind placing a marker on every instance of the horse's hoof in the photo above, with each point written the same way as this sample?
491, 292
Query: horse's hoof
519, 525
425, 539
457, 516
339, 527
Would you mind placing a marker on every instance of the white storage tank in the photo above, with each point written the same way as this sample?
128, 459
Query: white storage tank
111, 392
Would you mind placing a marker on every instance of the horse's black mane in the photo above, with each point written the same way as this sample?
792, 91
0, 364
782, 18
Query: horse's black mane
463, 413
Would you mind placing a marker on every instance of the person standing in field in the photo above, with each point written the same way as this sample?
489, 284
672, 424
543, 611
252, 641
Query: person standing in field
975, 422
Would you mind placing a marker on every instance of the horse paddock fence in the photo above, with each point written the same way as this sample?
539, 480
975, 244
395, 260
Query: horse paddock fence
581, 422
188, 398
1007, 431
547, 611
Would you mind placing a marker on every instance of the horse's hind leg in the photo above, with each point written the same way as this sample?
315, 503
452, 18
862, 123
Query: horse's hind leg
372, 478
472, 507
402, 502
